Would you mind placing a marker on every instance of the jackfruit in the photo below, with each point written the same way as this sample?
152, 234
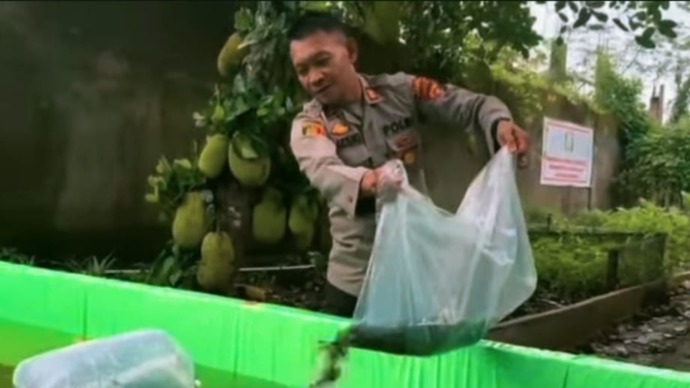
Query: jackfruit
231, 54
302, 221
382, 20
249, 167
191, 221
269, 218
214, 155
218, 116
217, 264
183, 163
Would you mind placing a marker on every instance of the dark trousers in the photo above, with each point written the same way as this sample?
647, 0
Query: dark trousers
338, 302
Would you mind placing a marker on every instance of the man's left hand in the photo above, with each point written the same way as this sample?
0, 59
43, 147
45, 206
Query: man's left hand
515, 138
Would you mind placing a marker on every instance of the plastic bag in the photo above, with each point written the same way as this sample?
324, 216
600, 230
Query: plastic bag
143, 358
438, 281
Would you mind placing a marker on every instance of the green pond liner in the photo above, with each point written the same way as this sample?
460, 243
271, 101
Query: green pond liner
273, 343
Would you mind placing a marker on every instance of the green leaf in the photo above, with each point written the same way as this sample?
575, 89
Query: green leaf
645, 42
560, 5
648, 33
563, 17
620, 24
602, 17
582, 18
573, 6
666, 28
595, 4
243, 19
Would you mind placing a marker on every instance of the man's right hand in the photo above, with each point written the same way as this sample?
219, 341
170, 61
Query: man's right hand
379, 181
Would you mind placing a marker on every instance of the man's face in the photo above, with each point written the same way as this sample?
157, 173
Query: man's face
324, 65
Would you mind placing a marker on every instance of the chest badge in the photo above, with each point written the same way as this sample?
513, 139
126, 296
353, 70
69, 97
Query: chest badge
340, 129
409, 157
405, 141
313, 128
427, 89
372, 95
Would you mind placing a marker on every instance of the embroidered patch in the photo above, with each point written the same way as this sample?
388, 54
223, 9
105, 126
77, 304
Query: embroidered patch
427, 89
405, 141
313, 128
350, 141
372, 95
409, 157
340, 129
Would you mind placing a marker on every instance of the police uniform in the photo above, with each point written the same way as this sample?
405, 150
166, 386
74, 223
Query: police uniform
335, 147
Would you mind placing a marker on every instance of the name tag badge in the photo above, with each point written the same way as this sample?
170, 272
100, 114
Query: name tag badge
350, 141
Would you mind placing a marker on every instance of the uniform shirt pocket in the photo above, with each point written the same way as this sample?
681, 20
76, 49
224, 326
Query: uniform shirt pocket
405, 146
353, 151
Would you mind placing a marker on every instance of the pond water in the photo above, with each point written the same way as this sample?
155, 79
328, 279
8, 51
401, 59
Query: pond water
22, 341
5, 376
208, 378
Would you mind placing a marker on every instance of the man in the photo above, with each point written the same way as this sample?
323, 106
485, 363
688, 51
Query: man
354, 124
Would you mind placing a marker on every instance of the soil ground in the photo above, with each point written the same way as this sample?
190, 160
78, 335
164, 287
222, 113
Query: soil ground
657, 337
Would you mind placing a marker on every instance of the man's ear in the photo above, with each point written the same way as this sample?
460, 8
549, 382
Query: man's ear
352, 50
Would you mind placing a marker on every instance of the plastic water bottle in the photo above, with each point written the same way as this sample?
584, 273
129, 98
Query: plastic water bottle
139, 359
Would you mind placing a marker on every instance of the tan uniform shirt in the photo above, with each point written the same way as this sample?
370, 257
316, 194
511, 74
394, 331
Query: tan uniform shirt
335, 147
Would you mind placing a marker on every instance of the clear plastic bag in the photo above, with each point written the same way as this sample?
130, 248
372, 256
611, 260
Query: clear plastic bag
438, 281
143, 358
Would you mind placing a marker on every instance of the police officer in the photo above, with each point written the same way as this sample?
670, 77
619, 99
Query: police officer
354, 124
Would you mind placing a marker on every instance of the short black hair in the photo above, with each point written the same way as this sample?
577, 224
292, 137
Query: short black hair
311, 22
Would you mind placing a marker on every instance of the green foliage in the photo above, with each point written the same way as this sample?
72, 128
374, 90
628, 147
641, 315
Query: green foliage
680, 105
570, 266
644, 18
660, 167
263, 97
14, 256
526, 91
574, 265
651, 218
440, 33
171, 181
655, 164
621, 97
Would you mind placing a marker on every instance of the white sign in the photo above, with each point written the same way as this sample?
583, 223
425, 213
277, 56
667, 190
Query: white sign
567, 153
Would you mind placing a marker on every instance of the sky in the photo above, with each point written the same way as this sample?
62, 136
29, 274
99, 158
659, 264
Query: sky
579, 44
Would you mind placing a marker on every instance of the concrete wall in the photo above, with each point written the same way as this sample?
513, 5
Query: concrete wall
451, 165
92, 94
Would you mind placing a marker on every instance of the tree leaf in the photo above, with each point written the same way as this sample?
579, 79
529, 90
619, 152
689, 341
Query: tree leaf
595, 4
582, 18
620, 24
573, 6
666, 28
648, 32
243, 19
563, 17
645, 42
560, 5
602, 17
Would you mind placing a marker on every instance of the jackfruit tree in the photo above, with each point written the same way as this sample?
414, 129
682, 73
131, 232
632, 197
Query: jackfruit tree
243, 193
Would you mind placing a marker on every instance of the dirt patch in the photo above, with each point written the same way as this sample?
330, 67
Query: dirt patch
300, 288
658, 337
304, 289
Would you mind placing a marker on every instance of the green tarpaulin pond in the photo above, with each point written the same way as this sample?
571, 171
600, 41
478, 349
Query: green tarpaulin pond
271, 346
